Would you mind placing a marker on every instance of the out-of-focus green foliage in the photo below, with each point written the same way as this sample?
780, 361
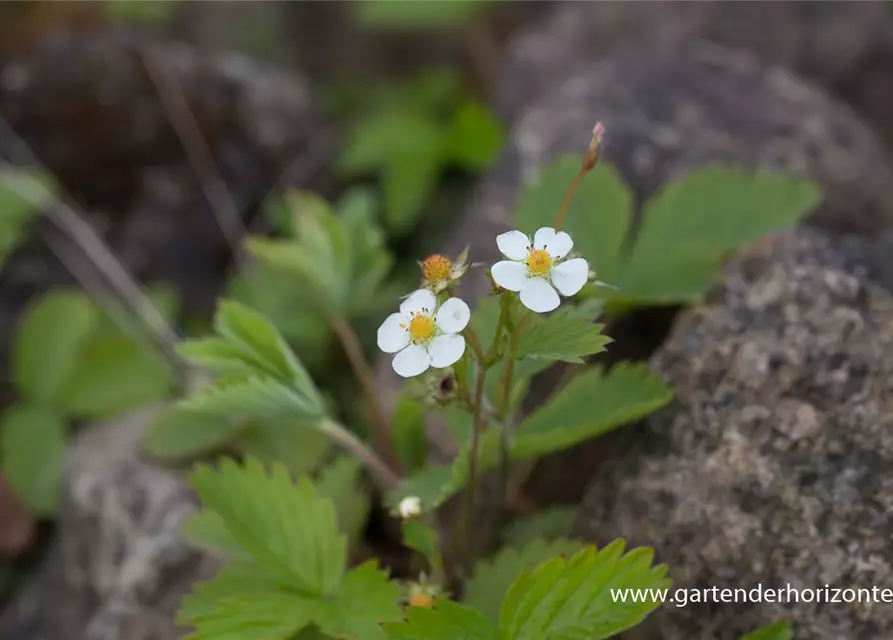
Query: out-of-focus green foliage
406, 135
400, 14
23, 193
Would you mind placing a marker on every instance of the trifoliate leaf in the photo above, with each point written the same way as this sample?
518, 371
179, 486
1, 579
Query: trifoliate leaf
340, 483
32, 444
300, 447
257, 338
573, 599
475, 136
591, 404
781, 630
289, 529
398, 14
272, 614
177, 434
598, 218
23, 194
254, 397
365, 600
206, 529
691, 224
547, 524
448, 621
408, 432
114, 374
562, 336
493, 577
45, 351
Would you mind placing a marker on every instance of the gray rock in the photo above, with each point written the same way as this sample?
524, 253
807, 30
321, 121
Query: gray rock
828, 41
118, 566
772, 464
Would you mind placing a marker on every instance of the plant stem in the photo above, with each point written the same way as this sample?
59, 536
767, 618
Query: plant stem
590, 159
381, 472
380, 430
478, 404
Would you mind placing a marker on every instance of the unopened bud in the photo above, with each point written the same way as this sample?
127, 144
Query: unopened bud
410, 507
592, 152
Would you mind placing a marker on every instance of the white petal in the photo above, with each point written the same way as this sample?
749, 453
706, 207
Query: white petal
513, 244
543, 236
391, 336
538, 295
445, 350
560, 245
569, 277
418, 300
453, 316
412, 361
510, 275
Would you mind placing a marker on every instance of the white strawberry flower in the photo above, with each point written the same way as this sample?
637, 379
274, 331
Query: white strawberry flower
410, 507
537, 269
423, 335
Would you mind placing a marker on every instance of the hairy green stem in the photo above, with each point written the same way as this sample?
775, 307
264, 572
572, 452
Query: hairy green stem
380, 471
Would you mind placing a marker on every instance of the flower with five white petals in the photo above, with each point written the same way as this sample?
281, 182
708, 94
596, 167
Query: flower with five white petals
423, 335
536, 269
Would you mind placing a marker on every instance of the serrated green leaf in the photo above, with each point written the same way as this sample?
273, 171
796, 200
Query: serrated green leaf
233, 581
258, 339
207, 530
781, 630
562, 336
271, 615
112, 375
691, 224
178, 434
23, 194
300, 447
254, 397
546, 524
448, 621
365, 600
572, 599
340, 483
390, 14
217, 356
32, 453
598, 218
289, 529
475, 136
492, 578
590, 405
45, 351
408, 433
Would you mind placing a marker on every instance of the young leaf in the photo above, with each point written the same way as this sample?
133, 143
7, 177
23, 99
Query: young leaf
547, 524
591, 404
365, 600
32, 444
562, 336
340, 483
492, 578
258, 339
691, 224
45, 350
598, 218
206, 529
781, 630
255, 397
114, 374
572, 599
177, 434
289, 529
448, 621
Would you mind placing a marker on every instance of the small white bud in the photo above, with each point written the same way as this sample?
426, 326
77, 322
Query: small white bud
409, 507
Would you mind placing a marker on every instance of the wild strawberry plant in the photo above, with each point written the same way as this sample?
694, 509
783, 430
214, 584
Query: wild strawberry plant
287, 536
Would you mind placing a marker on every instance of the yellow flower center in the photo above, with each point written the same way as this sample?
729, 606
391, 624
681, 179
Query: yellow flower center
539, 262
421, 327
437, 268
